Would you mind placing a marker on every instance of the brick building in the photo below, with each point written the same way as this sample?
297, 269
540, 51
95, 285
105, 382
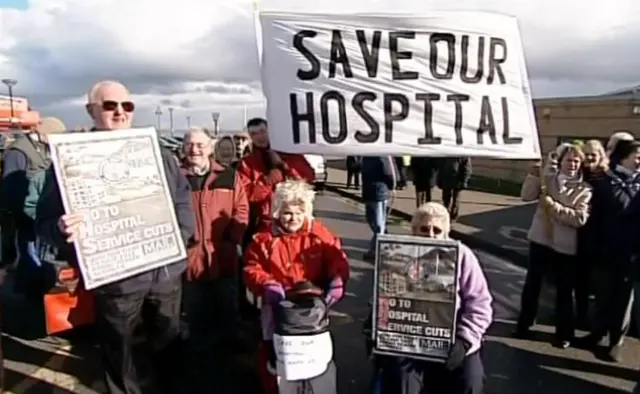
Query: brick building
570, 118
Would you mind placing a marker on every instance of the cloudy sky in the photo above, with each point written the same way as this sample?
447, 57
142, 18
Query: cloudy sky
199, 56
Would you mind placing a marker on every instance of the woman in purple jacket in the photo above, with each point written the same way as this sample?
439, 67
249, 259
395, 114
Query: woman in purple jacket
463, 371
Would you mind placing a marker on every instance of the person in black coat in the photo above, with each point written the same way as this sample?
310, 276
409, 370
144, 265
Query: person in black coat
354, 167
594, 167
424, 170
453, 177
612, 197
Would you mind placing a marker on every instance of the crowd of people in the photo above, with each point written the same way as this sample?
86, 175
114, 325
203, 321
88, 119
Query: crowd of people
247, 220
585, 235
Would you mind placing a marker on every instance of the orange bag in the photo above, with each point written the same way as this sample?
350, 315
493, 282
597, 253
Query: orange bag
64, 310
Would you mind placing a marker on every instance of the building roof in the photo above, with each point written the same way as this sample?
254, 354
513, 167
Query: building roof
631, 92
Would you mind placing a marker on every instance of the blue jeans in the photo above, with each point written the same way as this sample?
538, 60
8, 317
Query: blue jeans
376, 215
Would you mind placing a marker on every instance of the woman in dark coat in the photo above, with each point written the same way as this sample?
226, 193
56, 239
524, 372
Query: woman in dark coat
595, 165
424, 171
612, 195
354, 167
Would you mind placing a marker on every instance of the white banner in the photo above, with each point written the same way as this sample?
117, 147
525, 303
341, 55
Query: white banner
447, 84
116, 179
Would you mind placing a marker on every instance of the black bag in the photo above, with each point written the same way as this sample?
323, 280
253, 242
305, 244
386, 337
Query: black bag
303, 312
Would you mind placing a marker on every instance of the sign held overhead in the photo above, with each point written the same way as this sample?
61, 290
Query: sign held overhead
450, 84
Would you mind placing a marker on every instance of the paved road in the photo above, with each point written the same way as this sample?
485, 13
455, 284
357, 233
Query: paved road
513, 366
489, 220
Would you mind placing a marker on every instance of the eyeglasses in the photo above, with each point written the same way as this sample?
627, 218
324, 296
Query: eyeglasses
430, 229
110, 105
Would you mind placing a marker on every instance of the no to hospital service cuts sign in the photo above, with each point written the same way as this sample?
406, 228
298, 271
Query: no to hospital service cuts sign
117, 180
448, 84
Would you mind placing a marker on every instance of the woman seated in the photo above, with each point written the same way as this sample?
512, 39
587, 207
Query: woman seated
463, 371
298, 248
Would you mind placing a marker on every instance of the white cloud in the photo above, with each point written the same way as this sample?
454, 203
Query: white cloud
199, 56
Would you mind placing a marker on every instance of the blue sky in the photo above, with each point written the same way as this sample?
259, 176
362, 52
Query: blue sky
20, 4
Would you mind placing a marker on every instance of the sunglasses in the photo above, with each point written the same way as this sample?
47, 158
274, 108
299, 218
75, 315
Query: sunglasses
430, 229
109, 105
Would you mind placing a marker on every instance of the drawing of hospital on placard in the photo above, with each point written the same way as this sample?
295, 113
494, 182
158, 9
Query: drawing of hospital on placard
110, 172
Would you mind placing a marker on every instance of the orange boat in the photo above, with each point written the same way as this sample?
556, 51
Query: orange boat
23, 117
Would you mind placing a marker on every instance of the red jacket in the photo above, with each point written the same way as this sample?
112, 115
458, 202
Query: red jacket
311, 254
260, 184
222, 214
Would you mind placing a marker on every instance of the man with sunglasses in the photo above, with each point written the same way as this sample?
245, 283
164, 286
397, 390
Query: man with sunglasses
119, 305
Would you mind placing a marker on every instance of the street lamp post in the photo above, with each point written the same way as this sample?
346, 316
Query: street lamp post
171, 120
10, 84
159, 115
216, 117
188, 122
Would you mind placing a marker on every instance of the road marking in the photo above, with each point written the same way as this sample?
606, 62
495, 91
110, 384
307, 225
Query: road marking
49, 373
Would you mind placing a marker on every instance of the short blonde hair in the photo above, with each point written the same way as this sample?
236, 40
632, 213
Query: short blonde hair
433, 210
298, 193
616, 137
596, 147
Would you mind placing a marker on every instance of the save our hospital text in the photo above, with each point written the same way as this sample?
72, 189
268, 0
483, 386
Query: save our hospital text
491, 54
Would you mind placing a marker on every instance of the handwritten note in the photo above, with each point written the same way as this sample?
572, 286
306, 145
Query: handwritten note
302, 356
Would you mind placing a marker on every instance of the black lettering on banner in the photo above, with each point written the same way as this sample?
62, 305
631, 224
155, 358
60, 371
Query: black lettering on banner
338, 55
495, 62
390, 117
297, 118
464, 62
358, 106
450, 40
429, 138
370, 57
397, 55
457, 124
506, 127
486, 124
298, 43
342, 117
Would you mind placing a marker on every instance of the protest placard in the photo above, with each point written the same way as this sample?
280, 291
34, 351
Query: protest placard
116, 179
414, 304
447, 84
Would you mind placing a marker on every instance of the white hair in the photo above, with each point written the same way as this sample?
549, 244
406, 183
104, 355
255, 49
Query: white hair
196, 130
95, 89
432, 210
291, 192
616, 137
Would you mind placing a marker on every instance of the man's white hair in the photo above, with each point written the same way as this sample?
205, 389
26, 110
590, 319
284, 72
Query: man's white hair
196, 130
616, 137
298, 193
432, 210
95, 89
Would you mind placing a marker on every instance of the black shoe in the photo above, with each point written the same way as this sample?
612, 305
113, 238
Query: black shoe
521, 333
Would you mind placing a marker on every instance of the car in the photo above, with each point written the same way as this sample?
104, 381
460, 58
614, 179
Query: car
319, 165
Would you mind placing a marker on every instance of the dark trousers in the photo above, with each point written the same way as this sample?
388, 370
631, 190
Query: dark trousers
118, 316
8, 234
451, 200
583, 288
423, 197
353, 175
211, 311
614, 296
541, 259
406, 376
402, 171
